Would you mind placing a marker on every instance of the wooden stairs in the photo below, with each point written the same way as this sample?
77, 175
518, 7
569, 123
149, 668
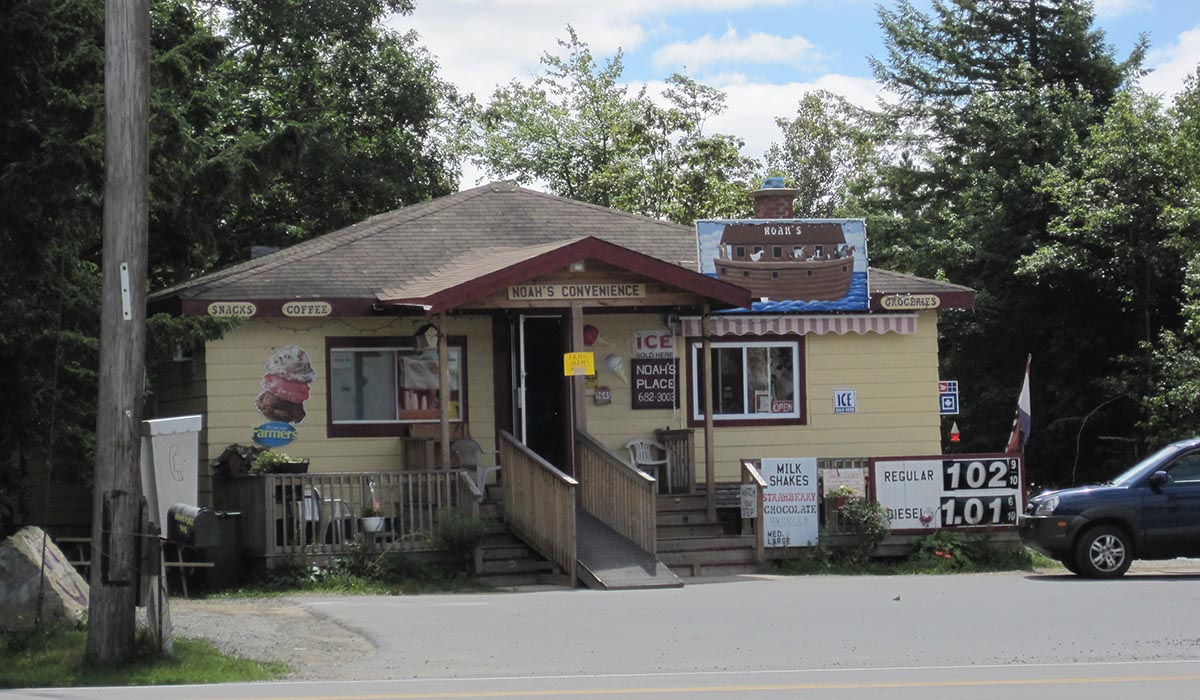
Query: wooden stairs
689, 545
503, 560
692, 545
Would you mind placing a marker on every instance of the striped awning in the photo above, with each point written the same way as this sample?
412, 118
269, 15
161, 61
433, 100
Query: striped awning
735, 325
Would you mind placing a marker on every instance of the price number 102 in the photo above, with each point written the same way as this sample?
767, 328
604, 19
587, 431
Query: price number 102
996, 474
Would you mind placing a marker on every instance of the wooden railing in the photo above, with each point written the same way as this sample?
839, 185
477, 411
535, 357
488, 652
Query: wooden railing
751, 475
619, 495
299, 515
539, 503
682, 443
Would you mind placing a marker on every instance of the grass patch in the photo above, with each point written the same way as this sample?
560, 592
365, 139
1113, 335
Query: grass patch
56, 659
364, 572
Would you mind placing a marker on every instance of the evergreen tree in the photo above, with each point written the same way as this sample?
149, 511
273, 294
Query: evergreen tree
271, 121
992, 96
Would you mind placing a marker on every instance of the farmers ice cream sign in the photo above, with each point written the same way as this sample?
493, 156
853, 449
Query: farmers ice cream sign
285, 388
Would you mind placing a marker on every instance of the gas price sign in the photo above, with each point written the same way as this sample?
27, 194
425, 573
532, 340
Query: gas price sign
949, 491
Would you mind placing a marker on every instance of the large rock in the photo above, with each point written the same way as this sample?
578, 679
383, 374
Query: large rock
65, 594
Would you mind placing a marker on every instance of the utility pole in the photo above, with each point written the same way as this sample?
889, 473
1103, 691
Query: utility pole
116, 503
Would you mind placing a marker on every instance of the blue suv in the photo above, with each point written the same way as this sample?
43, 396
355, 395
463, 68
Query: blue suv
1152, 511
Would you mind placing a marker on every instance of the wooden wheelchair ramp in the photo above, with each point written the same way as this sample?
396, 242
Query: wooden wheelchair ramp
609, 561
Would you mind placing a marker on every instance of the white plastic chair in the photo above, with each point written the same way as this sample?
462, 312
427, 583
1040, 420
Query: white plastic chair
468, 451
642, 456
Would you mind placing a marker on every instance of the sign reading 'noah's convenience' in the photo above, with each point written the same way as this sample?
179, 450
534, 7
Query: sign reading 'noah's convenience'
576, 290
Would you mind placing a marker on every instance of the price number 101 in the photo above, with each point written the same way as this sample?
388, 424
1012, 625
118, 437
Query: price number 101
976, 510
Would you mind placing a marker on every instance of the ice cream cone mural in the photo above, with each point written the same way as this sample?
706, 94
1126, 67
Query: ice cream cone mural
286, 385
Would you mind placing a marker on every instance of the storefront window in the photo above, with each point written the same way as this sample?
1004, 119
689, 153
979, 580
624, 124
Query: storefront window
382, 385
753, 381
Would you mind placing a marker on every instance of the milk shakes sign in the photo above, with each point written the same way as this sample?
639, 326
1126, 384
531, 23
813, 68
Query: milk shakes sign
951, 491
790, 502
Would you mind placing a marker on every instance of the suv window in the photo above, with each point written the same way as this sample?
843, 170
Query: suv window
1186, 469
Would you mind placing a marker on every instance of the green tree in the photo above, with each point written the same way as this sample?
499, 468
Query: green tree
577, 130
829, 152
1168, 218
270, 122
992, 97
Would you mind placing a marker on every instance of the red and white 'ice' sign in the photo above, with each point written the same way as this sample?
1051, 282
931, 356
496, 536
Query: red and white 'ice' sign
653, 344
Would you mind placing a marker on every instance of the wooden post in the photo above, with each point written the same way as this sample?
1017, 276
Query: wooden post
444, 389
117, 496
578, 389
710, 454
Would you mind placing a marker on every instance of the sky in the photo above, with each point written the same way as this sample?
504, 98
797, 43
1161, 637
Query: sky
764, 54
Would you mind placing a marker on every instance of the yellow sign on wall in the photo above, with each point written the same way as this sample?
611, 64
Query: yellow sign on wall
578, 364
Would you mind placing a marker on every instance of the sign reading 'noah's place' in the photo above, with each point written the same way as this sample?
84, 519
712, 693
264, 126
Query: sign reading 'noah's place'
573, 290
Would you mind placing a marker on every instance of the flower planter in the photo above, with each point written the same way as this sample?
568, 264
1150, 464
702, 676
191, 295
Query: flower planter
299, 467
372, 523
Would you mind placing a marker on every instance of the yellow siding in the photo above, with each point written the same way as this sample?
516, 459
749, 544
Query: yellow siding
615, 423
895, 381
895, 378
235, 367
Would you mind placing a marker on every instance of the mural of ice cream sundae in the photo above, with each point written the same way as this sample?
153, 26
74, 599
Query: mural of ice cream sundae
286, 385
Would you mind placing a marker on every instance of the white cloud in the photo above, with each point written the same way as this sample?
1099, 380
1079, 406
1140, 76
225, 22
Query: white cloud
484, 43
1172, 65
756, 47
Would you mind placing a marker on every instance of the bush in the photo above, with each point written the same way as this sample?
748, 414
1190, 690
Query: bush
459, 534
869, 522
944, 551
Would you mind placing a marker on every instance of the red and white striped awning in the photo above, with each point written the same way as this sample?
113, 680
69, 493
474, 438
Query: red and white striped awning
731, 325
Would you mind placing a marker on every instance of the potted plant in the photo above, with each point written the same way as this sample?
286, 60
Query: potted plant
236, 460
372, 513
840, 496
276, 462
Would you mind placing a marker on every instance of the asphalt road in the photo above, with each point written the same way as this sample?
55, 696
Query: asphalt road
928, 637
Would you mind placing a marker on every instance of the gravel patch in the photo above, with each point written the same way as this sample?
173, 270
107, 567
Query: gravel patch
277, 629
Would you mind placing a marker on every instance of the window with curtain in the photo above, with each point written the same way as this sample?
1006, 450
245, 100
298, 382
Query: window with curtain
390, 384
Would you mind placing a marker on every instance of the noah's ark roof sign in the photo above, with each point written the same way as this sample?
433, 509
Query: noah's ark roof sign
790, 264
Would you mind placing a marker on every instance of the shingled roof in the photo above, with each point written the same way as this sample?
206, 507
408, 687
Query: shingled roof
390, 249
406, 248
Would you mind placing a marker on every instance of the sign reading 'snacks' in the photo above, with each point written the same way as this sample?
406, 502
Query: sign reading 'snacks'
654, 382
951, 491
790, 502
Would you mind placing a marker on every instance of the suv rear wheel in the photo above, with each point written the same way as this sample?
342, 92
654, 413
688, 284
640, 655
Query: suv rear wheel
1103, 551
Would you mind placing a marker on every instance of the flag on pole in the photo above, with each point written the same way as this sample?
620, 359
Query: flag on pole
1020, 429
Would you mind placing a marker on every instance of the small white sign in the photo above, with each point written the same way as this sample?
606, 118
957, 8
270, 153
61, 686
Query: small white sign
844, 401
749, 500
790, 502
852, 477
